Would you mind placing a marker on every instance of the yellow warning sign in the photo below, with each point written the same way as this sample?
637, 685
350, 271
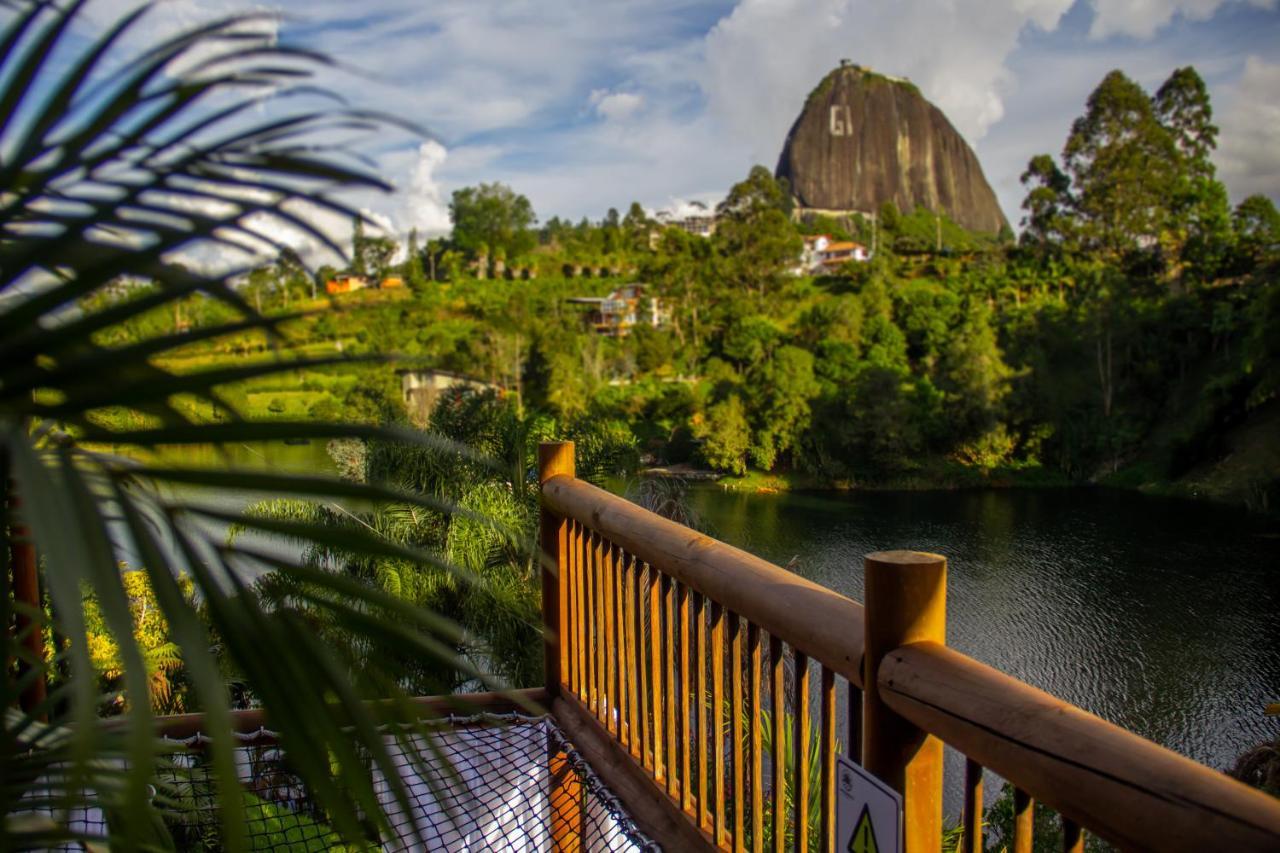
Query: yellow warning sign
868, 812
864, 835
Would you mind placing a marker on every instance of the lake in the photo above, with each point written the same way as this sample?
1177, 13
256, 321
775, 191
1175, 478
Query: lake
1160, 615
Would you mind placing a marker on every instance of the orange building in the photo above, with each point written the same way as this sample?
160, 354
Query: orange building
345, 284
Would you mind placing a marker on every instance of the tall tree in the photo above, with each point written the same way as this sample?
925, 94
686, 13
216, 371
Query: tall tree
414, 275
1182, 105
1257, 227
1197, 230
756, 242
1118, 156
491, 218
1048, 204
375, 254
751, 198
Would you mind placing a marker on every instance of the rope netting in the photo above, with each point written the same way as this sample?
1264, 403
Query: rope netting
483, 782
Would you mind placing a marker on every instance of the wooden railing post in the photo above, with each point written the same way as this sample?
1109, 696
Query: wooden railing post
566, 793
26, 593
906, 602
554, 458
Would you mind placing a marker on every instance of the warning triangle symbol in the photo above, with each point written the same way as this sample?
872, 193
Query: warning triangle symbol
863, 839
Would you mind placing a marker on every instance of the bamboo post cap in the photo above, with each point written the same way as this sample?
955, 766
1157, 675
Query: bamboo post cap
905, 558
555, 458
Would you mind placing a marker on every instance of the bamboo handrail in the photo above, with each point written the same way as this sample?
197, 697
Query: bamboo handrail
908, 694
809, 618
533, 700
1128, 790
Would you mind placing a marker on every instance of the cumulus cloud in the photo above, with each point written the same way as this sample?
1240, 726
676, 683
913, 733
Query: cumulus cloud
615, 106
1143, 18
1248, 152
423, 204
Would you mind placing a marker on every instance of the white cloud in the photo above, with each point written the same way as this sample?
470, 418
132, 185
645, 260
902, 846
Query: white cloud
1249, 143
1143, 18
587, 104
615, 106
423, 204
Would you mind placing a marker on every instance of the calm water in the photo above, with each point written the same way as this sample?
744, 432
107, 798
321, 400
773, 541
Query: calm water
1162, 616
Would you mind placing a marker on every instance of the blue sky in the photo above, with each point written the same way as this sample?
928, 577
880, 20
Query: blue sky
589, 104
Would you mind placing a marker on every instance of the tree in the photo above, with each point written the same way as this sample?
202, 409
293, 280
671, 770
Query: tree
491, 218
756, 243
293, 275
160, 652
759, 193
1182, 105
1257, 227
726, 436
1049, 206
414, 275
1197, 233
371, 256
1118, 156
357, 247
781, 390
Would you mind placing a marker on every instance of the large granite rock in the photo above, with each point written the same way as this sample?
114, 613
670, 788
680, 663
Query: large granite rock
864, 139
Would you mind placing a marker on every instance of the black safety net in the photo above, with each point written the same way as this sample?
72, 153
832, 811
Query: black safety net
484, 782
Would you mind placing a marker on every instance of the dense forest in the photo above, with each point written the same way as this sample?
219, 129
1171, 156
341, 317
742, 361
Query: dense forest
1129, 336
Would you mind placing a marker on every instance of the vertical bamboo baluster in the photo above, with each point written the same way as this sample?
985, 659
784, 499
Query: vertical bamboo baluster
687, 721
828, 783
756, 722
718, 727
972, 839
1072, 836
639, 682
736, 710
669, 687
626, 678
656, 694
778, 679
621, 679
1024, 811
593, 632
700, 702
610, 687
800, 747
569, 630
594, 613
580, 577
853, 749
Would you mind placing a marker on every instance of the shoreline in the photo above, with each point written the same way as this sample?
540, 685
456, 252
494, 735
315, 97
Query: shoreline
755, 482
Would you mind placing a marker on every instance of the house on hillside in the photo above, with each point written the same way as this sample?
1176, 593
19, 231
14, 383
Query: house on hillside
809, 259
616, 314
345, 284
421, 389
698, 220
822, 255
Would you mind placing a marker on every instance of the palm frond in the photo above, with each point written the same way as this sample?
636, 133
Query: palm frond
115, 167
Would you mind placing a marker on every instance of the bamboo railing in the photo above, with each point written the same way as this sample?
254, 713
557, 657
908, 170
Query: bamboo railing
707, 684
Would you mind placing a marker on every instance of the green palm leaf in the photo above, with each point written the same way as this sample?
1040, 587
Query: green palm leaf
111, 168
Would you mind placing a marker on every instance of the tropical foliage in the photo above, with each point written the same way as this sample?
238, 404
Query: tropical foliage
118, 161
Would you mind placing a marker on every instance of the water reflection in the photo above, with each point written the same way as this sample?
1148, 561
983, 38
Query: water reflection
1159, 615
